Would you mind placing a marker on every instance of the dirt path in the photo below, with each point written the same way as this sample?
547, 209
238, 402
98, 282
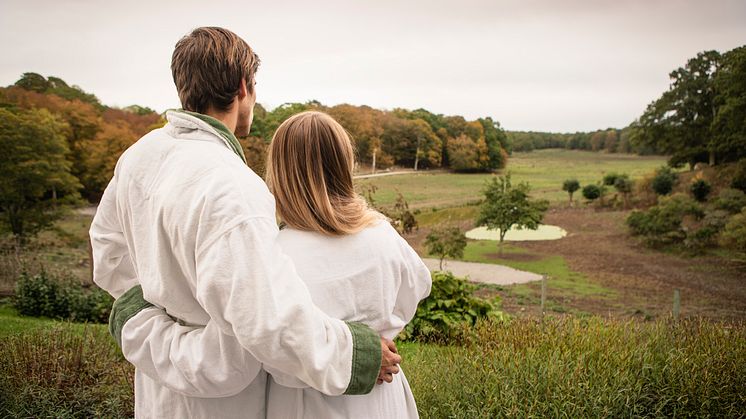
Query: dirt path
484, 272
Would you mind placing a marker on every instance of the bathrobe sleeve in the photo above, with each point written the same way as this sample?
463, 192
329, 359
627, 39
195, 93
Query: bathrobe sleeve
112, 266
414, 285
193, 361
179, 357
250, 290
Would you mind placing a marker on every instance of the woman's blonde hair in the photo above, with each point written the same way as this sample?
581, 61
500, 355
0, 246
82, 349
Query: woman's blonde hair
309, 170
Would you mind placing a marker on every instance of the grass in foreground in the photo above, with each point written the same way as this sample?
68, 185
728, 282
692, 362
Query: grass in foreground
563, 367
583, 368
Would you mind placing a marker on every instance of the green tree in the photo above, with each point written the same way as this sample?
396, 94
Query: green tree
36, 176
506, 206
623, 184
446, 242
34, 82
728, 139
570, 186
679, 122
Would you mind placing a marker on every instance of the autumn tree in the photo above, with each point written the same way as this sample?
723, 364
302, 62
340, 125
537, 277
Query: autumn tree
36, 176
506, 206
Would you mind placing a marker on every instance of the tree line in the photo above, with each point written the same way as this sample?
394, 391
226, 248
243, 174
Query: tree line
417, 138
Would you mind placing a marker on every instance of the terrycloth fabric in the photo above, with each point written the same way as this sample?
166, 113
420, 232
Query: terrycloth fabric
372, 277
188, 220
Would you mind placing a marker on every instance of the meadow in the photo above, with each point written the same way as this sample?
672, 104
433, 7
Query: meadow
589, 355
544, 170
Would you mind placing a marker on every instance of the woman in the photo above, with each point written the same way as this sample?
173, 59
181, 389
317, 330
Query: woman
355, 265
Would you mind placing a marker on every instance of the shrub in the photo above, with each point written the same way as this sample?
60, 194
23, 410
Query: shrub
739, 177
663, 181
43, 296
700, 189
663, 223
734, 233
591, 192
731, 200
451, 306
610, 179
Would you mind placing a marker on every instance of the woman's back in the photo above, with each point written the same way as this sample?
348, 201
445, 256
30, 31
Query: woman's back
373, 277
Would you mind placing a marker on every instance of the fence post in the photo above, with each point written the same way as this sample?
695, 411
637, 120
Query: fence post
676, 305
543, 294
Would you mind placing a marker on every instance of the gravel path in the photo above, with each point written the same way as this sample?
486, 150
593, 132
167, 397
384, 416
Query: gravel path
484, 272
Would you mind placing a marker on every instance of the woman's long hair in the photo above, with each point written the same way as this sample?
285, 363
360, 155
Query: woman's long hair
309, 170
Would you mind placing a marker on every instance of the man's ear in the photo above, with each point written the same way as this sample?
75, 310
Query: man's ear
242, 90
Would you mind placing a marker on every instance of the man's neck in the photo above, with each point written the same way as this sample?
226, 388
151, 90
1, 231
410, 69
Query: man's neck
229, 119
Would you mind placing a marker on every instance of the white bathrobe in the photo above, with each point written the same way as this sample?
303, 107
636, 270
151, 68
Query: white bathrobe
186, 217
373, 277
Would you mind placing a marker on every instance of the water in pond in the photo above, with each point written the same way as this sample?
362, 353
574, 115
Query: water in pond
544, 232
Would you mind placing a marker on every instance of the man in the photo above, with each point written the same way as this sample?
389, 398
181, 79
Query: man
188, 221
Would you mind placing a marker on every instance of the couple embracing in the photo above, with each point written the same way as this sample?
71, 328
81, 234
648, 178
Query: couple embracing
225, 315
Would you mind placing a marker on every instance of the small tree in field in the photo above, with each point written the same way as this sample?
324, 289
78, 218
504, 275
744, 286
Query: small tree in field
623, 184
570, 186
506, 206
446, 242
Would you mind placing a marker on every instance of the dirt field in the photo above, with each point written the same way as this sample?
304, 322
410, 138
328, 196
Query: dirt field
642, 280
598, 245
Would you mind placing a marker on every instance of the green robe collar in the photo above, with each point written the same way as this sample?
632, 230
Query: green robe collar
221, 129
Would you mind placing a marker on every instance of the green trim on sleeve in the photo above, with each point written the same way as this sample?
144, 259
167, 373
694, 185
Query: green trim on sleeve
124, 308
366, 359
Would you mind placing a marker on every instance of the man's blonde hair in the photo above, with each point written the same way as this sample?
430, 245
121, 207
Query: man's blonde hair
208, 66
309, 170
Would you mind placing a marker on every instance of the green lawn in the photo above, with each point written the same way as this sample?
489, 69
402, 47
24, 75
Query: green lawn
544, 170
562, 282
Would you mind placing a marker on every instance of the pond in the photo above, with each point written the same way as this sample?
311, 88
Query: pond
544, 232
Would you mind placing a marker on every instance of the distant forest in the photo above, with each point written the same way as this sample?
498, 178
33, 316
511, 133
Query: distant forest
700, 118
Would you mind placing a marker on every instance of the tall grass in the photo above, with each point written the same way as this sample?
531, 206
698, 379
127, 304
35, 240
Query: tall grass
583, 368
64, 373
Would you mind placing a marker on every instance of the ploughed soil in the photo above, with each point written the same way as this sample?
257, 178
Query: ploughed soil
641, 280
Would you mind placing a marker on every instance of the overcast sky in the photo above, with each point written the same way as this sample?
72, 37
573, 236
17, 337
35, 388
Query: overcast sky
544, 65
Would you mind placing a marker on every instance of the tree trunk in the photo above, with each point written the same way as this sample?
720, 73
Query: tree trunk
416, 159
712, 157
374, 160
441, 264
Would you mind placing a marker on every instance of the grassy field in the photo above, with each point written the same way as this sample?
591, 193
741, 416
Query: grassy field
544, 170
568, 367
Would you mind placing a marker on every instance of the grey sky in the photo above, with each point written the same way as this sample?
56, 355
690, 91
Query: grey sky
540, 65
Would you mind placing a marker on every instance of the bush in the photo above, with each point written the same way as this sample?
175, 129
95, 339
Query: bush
734, 233
739, 177
451, 306
43, 296
731, 200
700, 189
591, 192
610, 179
663, 224
663, 181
